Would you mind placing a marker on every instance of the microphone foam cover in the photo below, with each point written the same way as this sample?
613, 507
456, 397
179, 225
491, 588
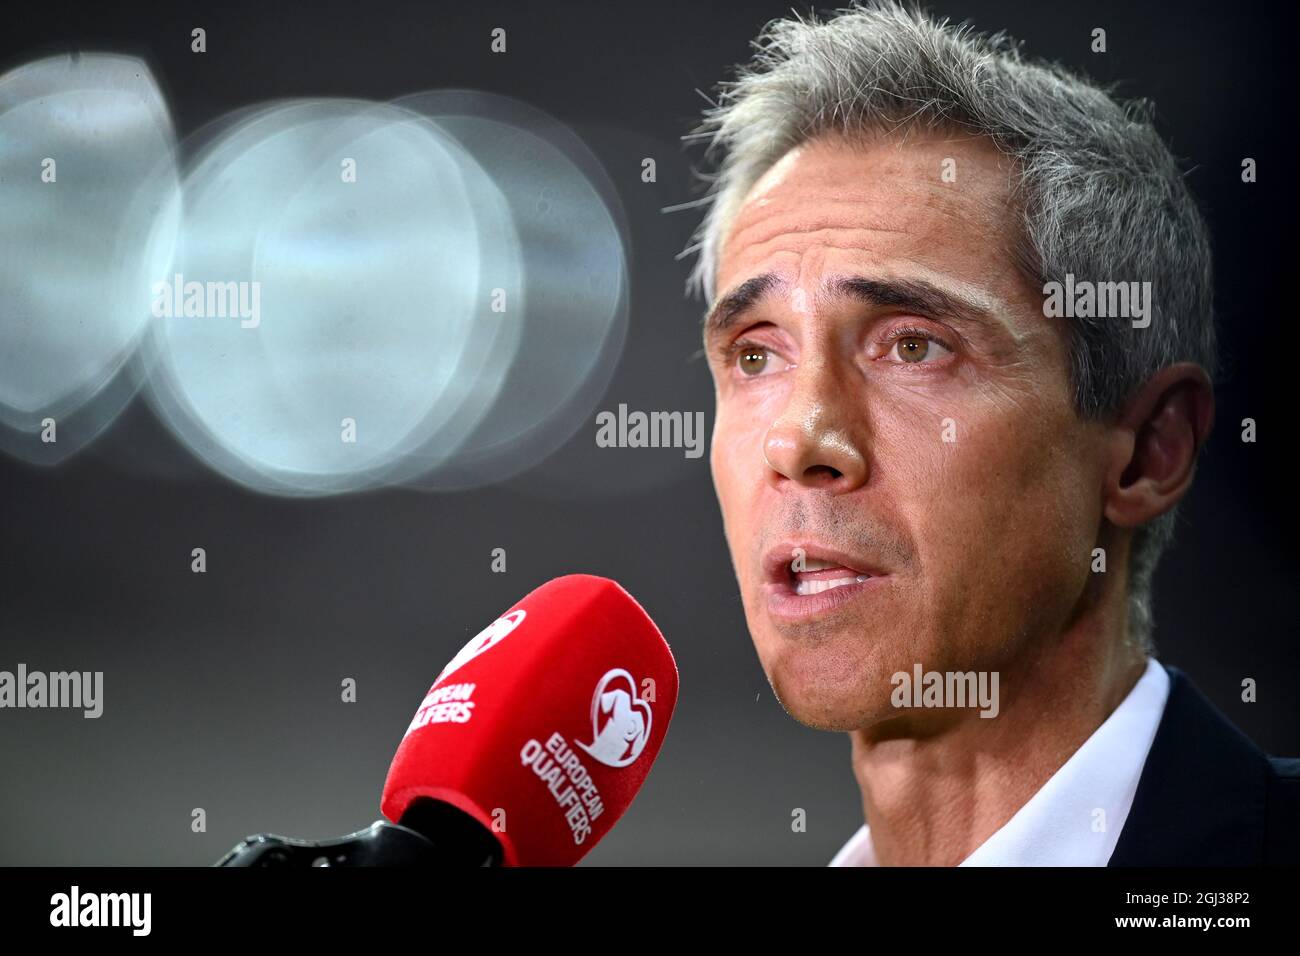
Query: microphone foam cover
544, 726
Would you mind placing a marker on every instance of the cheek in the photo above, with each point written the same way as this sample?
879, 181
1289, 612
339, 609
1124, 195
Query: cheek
1008, 505
735, 460
922, 480
723, 465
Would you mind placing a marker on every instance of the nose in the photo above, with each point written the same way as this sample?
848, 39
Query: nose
817, 440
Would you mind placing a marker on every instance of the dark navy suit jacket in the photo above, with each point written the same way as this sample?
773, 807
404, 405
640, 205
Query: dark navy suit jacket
1207, 795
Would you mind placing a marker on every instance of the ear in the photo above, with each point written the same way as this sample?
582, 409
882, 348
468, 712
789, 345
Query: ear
1155, 442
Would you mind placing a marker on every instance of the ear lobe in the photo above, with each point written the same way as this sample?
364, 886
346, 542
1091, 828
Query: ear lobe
1167, 422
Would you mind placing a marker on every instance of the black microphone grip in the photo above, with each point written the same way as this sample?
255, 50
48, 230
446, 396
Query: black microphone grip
430, 833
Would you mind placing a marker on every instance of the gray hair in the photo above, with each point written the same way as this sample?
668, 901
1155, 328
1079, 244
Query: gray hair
1098, 193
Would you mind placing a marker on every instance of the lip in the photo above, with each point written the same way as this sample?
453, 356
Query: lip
778, 587
777, 559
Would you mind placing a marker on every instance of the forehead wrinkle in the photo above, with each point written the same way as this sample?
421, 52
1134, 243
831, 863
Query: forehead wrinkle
974, 297
803, 230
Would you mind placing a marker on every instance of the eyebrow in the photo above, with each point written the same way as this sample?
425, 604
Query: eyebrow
915, 295
740, 300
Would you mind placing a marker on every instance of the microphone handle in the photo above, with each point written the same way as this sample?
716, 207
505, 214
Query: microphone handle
431, 833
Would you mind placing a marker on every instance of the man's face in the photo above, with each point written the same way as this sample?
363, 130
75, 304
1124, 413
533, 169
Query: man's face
892, 403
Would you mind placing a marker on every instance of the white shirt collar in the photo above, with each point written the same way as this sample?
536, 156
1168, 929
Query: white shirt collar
1075, 818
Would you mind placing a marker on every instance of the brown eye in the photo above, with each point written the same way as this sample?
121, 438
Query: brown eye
756, 361
913, 348
752, 360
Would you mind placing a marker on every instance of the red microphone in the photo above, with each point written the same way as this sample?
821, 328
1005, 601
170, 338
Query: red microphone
544, 726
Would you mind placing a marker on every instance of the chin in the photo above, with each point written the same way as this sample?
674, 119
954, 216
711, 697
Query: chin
824, 688
818, 710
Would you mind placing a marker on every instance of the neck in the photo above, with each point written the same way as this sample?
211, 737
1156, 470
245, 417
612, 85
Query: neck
932, 797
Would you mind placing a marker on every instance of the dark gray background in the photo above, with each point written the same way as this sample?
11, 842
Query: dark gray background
222, 690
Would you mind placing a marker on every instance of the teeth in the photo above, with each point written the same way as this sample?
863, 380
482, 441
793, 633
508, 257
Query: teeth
814, 564
825, 584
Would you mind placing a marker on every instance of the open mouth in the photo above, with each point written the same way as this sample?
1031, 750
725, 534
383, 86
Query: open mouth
804, 570
804, 580
818, 576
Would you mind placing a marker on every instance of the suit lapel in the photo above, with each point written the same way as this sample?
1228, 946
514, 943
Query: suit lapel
1201, 798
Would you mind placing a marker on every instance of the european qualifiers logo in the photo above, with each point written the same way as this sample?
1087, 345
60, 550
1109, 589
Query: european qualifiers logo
569, 782
489, 637
451, 703
442, 705
958, 689
82, 690
651, 430
620, 721
620, 728
1084, 299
